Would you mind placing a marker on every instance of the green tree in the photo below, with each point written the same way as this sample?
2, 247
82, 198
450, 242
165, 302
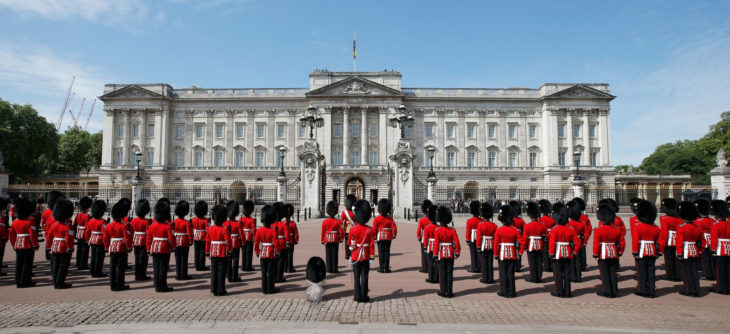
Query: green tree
718, 137
93, 157
25, 138
73, 149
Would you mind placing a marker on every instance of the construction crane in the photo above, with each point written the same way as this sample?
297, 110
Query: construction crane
86, 126
66, 102
78, 114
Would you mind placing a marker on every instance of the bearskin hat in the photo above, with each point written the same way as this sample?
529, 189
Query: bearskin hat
561, 213
581, 203
233, 210
63, 210
332, 209
268, 215
703, 206
669, 207
432, 213
443, 215
98, 209
720, 209
142, 208
316, 269
85, 202
385, 207
533, 210
282, 212
277, 212
646, 211
200, 209
505, 214
182, 208
574, 208
516, 208
350, 201
545, 207
24, 208
424, 206
474, 208
219, 214
487, 211
162, 211
166, 200
362, 211
127, 204
40, 200
606, 213
51, 198
289, 210
687, 211
3, 203
248, 207
727, 199
119, 211
634, 201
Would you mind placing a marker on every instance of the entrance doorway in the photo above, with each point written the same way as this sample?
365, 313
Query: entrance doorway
238, 192
374, 195
355, 186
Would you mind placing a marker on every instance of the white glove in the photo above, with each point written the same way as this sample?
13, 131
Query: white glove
371, 262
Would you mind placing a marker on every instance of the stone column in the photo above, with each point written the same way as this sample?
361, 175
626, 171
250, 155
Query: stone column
281, 188
402, 161
364, 137
720, 176
346, 136
310, 178
569, 139
431, 189
137, 191
126, 135
382, 135
578, 188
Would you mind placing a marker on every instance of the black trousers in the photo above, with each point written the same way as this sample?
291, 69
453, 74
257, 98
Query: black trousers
82, 254
268, 275
218, 274
331, 252
117, 269
534, 259
546, 261
290, 259
474, 256
232, 270
722, 265
59, 270
487, 263
424, 259
507, 270
608, 269
691, 275
199, 255
97, 260
181, 262
2, 250
23, 266
141, 259
575, 272
360, 271
281, 264
48, 252
247, 262
561, 272
708, 264
160, 266
646, 268
348, 252
671, 264
583, 260
384, 254
446, 276
432, 269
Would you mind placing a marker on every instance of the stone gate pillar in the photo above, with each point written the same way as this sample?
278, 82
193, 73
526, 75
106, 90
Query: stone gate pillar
432, 188
310, 182
137, 192
402, 161
720, 176
578, 188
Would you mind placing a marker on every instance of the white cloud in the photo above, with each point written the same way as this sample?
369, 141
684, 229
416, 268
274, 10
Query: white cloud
110, 12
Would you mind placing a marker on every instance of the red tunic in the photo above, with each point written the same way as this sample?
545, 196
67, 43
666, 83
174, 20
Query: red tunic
23, 234
47, 220
94, 232
236, 231
618, 222
331, 231
293, 232
564, 242
428, 237
667, 237
266, 243
61, 238
705, 224
485, 235
160, 239
720, 235
519, 223
447, 243
608, 243
361, 240
80, 225
385, 228
200, 228
217, 241
505, 242
645, 240
248, 227
689, 240
589, 227
347, 218
282, 232
183, 232
533, 237
139, 231
549, 223
471, 228
117, 237
422, 223
580, 229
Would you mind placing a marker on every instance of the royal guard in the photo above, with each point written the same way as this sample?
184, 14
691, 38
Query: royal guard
385, 232
634, 220
429, 239
348, 220
234, 226
564, 246
218, 247
82, 248
331, 235
645, 248
61, 237
248, 227
293, 237
506, 242
118, 242
608, 246
720, 245
448, 249
587, 232
47, 218
485, 243
266, 246
519, 224
705, 223
533, 241
93, 234
360, 243
668, 238
139, 226
200, 231
4, 232
689, 243
23, 237
282, 230
422, 223
579, 227
471, 235
160, 243
546, 208
182, 229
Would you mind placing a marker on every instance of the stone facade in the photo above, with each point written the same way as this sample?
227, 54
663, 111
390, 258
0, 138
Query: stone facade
514, 137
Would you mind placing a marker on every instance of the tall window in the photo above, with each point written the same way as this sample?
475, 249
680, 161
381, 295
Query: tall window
576, 131
355, 159
198, 159
451, 130
280, 130
120, 131
428, 161
355, 130
533, 159
470, 130
259, 159
512, 131
120, 158
302, 130
492, 130
450, 159
470, 159
337, 158
150, 130
199, 131
492, 159
150, 158
513, 159
592, 131
372, 158
594, 159
239, 159
260, 130
409, 131
178, 159
533, 131
429, 130
219, 130
218, 158
561, 158
373, 130
135, 130
179, 131
561, 130
337, 130
240, 130
279, 161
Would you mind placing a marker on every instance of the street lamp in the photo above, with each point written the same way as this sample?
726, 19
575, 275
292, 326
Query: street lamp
403, 120
282, 155
138, 157
576, 158
431, 152
313, 120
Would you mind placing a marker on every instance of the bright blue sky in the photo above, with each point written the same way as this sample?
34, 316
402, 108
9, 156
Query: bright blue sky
667, 61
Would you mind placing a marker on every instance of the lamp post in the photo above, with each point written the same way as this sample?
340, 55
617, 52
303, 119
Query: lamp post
576, 158
138, 157
431, 152
282, 155
403, 120
313, 120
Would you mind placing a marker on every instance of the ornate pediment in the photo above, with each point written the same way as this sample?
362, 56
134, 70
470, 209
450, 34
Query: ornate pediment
356, 87
580, 92
132, 92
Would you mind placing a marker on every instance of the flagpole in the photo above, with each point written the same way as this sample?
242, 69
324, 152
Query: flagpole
354, 53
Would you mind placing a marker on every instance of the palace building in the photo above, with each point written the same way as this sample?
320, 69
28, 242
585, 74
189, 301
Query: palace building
481, 137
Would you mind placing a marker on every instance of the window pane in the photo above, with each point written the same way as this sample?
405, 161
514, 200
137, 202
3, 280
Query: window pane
198, 159
576, 131
120, 158
337, 130
373, 158
512, 159
219, 130
239, 159
470, 159
150, 158
120, 130
135, 130
592, 130
259, 159
178, 159
533, 159
280, 128
355, 130
355, 158
178, 131
492, 159
260, 131
450, 130
533, 131
239, 130
512, 131
198, 131
218, 159
492, 129
470, 131
561, 130
373, 130
561, 158
450, 159
409, 131
429, 131
302, 130
337, 158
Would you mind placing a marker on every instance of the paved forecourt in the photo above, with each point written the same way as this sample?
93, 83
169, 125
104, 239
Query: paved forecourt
401, 298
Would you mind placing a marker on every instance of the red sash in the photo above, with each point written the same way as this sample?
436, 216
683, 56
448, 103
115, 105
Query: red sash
690, 250
96, 238
507, 251
117, 245
266, 250
647, 248
385, 233
608, 251
58, 245
80, 232
157, 244
138, 240
723, 247
218, 248
446, 250
487, 243
332, 237
672, 239
182, 239
562, 250
22, 241
199, 235
248, 234
535, 244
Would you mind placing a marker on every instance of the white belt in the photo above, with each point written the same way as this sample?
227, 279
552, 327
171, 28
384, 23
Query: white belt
3, 225
558, 245
484, 241
78, 227
159, 239
180, 234
280, 237
534, 238
61, 239
23, 234
117, 239
140, 233
198, 230
387, 228
642, 244
604, 248
266, 244
330, 232
235, 235
687, 246
446, 244
96, 232
218, 242
247, 230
